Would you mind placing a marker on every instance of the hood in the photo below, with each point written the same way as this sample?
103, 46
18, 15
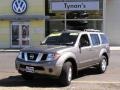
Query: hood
44, 48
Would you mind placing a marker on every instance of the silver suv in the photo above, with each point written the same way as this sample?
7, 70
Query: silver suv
62, 54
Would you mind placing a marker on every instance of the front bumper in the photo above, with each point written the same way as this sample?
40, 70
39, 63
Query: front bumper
43, 68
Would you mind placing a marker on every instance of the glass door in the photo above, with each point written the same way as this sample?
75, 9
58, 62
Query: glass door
20, 35
25, 35
15, 37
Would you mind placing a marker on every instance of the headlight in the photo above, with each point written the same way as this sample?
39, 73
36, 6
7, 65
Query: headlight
20, 55
52, 56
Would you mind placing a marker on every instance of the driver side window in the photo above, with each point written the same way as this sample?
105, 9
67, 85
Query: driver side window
84, 40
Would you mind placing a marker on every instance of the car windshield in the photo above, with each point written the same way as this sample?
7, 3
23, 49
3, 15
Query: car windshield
66, 38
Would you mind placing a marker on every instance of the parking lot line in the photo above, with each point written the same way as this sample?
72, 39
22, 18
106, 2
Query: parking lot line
98, 82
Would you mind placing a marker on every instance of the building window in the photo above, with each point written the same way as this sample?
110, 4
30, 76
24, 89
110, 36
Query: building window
56, 26
83, 19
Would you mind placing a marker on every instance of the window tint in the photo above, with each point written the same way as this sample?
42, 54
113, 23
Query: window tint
104, 39
95, 39
84, 40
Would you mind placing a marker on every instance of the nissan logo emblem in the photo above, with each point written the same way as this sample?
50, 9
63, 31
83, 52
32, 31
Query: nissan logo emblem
31, 56
19, 6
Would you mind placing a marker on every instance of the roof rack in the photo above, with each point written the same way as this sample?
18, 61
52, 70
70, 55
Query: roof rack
91, 30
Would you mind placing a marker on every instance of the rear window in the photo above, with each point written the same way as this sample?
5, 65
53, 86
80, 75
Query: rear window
95, 39
104, 39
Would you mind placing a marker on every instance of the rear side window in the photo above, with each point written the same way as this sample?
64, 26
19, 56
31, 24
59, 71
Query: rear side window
95, 39
104, 39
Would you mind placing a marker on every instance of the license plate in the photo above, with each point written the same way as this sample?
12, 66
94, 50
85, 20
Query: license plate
29, 69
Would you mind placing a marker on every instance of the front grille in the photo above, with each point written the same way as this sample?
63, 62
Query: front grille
32, 56
23, 57
44, 57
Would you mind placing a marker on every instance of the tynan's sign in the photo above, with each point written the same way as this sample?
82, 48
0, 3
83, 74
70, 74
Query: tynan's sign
19, 6
70, 6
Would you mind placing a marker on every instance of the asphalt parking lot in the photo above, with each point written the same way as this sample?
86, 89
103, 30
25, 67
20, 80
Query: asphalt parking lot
87, 79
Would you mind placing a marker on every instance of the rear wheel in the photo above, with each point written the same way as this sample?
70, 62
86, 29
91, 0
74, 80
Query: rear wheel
66, 74
103, 65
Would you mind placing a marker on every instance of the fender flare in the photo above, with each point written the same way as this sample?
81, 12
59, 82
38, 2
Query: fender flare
102, 52
63, 58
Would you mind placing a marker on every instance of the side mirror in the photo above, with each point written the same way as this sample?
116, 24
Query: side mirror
40, 43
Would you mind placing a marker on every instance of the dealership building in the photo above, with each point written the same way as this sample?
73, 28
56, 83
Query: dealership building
25, 23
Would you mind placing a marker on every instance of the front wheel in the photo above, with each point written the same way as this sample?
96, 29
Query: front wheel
66, 74
103, 65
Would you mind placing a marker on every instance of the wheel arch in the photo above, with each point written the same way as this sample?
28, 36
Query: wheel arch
103, 52
67, 57
74, 65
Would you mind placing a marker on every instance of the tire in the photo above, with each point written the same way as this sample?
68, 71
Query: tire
27, 77
101, 68
66, 74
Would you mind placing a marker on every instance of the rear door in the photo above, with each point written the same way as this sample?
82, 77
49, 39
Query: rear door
96, 47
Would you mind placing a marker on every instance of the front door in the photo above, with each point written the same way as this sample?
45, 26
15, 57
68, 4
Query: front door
86, 53
20, 35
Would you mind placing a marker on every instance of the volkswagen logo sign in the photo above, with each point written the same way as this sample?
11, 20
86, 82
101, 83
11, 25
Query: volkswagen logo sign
19, 6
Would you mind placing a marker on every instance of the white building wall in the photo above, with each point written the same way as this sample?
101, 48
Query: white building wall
112, 22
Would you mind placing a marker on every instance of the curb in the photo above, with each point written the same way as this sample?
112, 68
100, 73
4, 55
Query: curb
114, 48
